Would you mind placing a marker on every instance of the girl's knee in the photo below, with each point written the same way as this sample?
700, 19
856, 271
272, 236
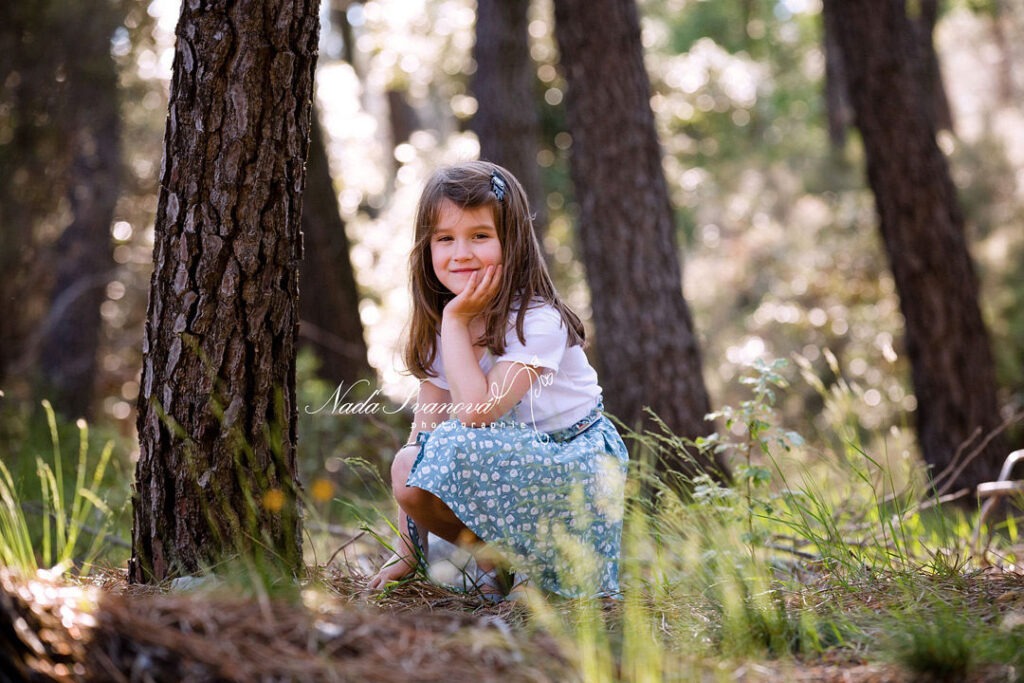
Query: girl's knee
412, 499
401, 466
408, 497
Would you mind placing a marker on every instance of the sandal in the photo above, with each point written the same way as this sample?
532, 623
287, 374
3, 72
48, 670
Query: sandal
495, 584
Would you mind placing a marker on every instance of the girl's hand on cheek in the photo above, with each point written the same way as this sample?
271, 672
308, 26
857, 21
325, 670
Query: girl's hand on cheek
480, 290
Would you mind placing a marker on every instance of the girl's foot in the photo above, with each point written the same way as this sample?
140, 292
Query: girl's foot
395, 569
494, 584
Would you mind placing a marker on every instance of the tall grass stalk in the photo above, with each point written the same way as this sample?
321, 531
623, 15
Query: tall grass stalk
16, 548
60, 538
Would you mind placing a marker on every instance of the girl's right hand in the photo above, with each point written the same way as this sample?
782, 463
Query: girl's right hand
476, 295
395, 569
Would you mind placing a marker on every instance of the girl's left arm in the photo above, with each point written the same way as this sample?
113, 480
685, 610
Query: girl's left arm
478, 399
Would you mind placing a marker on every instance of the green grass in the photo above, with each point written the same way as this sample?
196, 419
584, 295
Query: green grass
813, 554
64, 522
797, 562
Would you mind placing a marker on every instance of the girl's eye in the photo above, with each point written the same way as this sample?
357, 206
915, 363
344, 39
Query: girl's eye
443, 238
482, 236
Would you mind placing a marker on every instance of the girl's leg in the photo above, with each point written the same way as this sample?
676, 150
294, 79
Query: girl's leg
431, 515
426, 509
403, 562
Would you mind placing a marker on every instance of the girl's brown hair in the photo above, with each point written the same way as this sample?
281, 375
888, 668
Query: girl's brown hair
525, 274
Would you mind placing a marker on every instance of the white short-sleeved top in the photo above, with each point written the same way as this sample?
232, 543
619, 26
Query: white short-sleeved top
566, 390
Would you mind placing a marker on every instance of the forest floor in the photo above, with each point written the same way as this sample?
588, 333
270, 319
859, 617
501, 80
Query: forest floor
333, 629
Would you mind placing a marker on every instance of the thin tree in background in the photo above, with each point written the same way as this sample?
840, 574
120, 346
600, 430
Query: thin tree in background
329, 303
217, 417
33, 163
923, 231
648, 354
838, 110
927, 61
506, 120
1001, 26
82, 257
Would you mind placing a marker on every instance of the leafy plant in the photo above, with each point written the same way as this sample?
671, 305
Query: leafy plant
754, 420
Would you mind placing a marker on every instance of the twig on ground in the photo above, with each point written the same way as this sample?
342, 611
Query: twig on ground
345, 545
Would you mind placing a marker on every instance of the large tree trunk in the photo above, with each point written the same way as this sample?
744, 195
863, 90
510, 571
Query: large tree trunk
217, 417
647, 352
506, 121
329, 303
82, 258
929, 74
923, 231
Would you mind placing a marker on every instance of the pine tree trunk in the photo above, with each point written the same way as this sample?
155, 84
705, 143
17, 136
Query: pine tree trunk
82, 256
648, 354
506, 121
217, 416
837, 99
329, 302
923, 231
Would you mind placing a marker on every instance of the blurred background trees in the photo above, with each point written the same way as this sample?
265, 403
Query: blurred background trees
775, 223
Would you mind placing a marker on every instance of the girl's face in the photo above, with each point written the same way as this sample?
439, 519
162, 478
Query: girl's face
464, 240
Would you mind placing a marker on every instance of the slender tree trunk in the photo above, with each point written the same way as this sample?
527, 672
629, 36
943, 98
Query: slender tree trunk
33, 161
648, 354
923, 231
82, 256
329, 303
1001, 20
837, 102
217, 416
506, 121
930, 73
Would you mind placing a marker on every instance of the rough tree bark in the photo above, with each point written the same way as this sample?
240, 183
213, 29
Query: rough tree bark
329, 303
217, 416
82, 257
929, 73
648, 354
923, 231
506, 121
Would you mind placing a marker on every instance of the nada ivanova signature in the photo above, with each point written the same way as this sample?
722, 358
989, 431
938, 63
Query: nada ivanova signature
339, 403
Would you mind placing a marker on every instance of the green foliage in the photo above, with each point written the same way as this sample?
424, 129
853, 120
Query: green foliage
347, 451
945, 640
73, 519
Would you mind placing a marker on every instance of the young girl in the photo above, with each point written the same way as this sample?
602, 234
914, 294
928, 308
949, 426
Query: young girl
510, 455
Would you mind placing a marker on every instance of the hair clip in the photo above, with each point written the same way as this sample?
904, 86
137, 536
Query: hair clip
498, 186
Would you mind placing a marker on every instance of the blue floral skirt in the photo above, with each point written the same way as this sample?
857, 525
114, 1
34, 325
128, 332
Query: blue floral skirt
552, 503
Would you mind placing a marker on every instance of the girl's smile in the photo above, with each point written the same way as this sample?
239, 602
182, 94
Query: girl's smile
464, 241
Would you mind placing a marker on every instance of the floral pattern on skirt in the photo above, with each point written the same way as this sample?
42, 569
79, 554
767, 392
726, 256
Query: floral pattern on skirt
553, 503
